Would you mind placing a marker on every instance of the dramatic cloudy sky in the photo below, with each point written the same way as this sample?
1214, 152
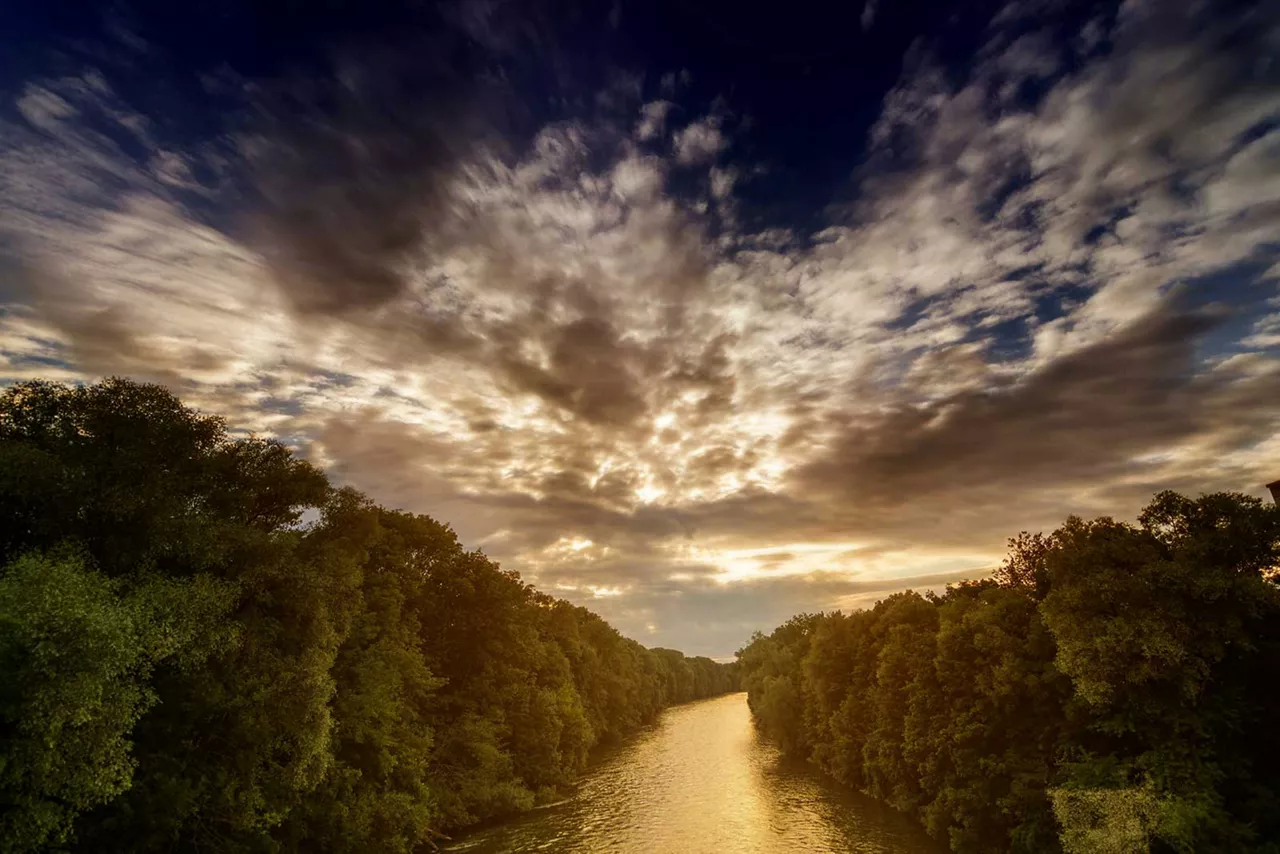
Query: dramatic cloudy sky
696, 316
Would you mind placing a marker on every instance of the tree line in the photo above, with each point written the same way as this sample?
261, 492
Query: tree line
1113, 688
205, 646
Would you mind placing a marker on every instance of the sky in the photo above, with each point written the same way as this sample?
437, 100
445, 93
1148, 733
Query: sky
695, 314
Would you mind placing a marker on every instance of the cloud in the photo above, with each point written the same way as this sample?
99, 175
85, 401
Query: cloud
653, 119
589, 373
699, 142
868, 14
349, 177
573, 338
1105, 413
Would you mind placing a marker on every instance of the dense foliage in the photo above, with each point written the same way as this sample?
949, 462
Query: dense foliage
185, 665
1112, 689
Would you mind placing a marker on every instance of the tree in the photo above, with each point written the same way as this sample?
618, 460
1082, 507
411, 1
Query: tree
1108, 689
1166, 630
76, 656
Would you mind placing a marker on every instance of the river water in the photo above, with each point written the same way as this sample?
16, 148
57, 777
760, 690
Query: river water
702, 780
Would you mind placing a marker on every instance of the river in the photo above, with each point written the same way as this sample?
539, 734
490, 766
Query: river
702, 780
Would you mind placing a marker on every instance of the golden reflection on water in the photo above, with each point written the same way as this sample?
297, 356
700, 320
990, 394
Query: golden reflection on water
702, 780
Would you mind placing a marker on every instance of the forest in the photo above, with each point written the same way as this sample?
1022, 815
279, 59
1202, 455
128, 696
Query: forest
1112, 689
206, 646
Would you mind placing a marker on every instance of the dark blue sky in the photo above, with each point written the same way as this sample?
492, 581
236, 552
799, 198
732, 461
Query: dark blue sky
800, 83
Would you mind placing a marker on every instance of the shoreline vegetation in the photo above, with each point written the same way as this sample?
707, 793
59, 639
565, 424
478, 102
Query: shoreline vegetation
1111, 690
186, 665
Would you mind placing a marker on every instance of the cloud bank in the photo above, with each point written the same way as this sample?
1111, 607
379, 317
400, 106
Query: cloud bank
1044, 291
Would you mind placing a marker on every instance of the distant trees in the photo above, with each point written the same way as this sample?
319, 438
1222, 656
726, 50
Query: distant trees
184, 665
1111, 689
